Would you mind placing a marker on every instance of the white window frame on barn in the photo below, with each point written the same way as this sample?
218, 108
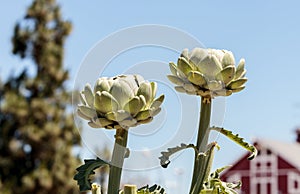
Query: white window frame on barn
263, 173
292, 178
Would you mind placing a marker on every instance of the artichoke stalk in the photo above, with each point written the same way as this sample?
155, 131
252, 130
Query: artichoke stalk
207, 73
119, 103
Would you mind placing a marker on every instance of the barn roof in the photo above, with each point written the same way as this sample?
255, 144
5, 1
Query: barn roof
288, 151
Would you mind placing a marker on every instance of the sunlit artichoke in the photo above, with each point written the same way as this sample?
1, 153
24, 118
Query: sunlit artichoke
208, 73
119, 102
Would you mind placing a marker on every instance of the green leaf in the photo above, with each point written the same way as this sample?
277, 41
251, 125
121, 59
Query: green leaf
155, 189
240, 141
165, 158
214, 184
85, 170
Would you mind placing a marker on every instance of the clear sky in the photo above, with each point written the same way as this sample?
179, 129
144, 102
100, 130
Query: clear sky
265, 33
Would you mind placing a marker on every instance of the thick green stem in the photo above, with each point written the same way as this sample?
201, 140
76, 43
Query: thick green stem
117, 161
202, 141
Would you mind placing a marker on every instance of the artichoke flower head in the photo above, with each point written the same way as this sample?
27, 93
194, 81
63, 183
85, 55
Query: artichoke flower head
208, 73
119, 102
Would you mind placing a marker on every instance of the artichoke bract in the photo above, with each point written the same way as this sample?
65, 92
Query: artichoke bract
119, 102
208, 73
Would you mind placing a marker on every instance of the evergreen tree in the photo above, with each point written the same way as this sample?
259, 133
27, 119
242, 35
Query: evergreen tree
37, 131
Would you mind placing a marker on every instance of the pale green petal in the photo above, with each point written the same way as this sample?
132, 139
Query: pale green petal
190, 87
223, 92
83, 115
158, 101
238, 89
118, 116
154, 112
209, 66
173, 68
102, 122
226, 75
133, 81
185, 54
228, 59
89, 96
105, 102
94, 125
102, 84
153, 89
176, 80
145, 121
145, 90
180, 89
197, 55
87, 111
122, 92
82, 98
127, 123
237, 83
139, 79
184, 66
240, 70
143, 115
134, 105
215, 85
196, 78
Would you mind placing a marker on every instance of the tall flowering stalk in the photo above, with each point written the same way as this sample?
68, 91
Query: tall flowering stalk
117, 103
207, 73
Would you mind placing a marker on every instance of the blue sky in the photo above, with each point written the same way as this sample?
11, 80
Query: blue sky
265, 33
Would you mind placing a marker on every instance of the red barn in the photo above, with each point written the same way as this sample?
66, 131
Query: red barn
275, 170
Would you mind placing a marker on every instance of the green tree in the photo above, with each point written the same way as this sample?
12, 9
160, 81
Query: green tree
37, 132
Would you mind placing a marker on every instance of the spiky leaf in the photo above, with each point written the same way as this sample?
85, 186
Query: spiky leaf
240, 141
85, 171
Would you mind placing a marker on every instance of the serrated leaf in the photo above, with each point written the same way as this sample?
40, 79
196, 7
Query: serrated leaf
165, 158
85, 170
240, 141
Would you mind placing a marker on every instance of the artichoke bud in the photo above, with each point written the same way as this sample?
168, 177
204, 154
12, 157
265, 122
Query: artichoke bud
119, 102
208, 73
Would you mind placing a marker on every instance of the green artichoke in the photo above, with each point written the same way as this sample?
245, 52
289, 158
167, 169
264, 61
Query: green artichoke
119, 102
208, 73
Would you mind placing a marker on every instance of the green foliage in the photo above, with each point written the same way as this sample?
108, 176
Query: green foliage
165, 158
155, 189
37, 133
214, 185
86, 170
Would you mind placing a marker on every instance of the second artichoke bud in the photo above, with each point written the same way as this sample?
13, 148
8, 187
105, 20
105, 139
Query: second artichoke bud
208, 73
119, 102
